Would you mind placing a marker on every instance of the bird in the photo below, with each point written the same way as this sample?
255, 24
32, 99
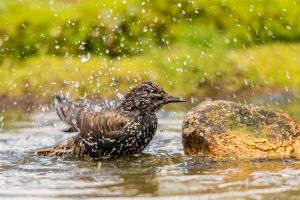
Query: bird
111, 132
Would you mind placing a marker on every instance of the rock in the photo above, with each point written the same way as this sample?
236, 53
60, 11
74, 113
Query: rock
222, 129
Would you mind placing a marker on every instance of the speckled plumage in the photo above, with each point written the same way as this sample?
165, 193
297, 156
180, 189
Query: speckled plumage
111, 132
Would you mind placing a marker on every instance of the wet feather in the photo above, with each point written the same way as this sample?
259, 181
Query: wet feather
111, 132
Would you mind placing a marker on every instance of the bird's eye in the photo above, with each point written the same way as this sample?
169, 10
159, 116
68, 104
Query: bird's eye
157, 97
160, 97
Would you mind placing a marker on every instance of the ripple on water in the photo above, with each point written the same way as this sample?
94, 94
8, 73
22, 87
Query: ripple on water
161, 170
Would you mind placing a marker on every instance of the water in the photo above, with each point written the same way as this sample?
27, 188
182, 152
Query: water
162, 171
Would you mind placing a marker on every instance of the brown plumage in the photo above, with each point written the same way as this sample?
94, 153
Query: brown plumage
111, 132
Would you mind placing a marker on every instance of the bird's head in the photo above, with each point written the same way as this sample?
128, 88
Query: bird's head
147, 97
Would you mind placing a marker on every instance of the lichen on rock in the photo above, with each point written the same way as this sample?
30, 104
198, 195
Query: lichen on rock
223, 129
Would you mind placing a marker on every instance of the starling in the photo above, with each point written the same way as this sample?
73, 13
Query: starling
111, 132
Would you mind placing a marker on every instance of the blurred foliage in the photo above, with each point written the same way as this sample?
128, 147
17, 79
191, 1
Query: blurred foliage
200, 48
129, 27
181, 71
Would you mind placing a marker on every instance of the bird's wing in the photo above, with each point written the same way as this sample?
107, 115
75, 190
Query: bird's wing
106, 123
89, 118
67, 110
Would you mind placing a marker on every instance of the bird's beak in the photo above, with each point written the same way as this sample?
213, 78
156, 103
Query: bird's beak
172, 99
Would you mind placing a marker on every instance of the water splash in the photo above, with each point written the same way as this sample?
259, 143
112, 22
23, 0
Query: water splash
85, 57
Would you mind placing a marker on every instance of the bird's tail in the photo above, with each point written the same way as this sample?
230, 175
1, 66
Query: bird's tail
67, 147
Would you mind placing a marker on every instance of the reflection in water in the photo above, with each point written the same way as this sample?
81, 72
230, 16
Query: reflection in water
161, 170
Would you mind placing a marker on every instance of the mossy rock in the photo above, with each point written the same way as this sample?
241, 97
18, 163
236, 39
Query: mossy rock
222, 129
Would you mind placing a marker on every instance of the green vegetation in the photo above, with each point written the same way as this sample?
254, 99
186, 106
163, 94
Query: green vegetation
218, 49
263, 68
130, 27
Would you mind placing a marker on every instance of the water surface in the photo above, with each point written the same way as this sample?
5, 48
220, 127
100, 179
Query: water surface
161, 171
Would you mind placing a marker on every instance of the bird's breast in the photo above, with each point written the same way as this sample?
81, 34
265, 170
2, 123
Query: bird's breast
144, 133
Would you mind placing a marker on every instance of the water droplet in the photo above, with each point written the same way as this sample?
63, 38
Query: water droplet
81, 47
43, 108
85, 58
227, 40
251, 8
76, 84
145, 29
6, 37
286, 88
287, 75
179, 69
192, 100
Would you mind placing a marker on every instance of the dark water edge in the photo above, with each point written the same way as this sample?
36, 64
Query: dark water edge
15, 110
